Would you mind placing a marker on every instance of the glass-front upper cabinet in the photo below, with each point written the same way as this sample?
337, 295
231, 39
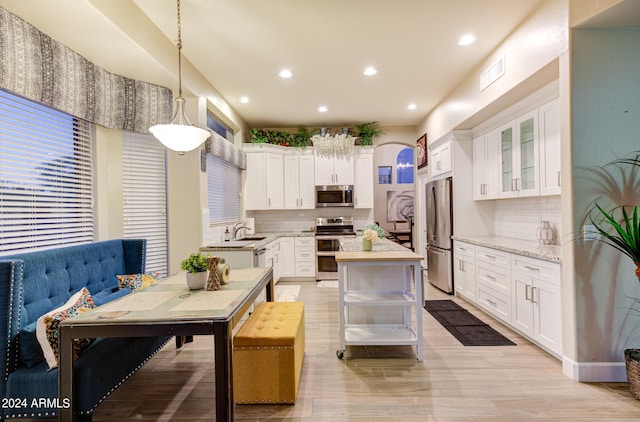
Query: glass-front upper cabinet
519, 157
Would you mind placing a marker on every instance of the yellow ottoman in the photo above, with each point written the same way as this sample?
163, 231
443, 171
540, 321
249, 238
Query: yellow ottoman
267, 354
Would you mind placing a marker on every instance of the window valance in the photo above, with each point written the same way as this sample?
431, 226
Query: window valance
225, 150
37, 67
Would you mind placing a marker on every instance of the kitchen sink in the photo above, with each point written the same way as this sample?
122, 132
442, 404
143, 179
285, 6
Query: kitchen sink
254, 239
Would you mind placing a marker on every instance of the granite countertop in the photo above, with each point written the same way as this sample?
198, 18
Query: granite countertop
383, 250
529, 248
251, 246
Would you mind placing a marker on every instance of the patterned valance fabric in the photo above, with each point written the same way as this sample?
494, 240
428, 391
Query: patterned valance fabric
221, 148
37, 67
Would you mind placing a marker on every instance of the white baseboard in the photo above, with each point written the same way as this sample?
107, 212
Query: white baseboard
594, 371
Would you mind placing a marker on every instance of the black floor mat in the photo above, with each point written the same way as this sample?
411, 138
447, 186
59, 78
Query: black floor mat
467, 328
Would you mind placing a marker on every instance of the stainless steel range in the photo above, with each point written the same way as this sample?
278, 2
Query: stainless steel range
329, 231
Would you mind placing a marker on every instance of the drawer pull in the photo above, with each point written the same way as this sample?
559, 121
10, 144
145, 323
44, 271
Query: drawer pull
492, 303
490, 277
532, 268
490, 256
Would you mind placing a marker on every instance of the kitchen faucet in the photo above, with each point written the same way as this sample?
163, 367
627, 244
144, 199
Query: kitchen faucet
237, 227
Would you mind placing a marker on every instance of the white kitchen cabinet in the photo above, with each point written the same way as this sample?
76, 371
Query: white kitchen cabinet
494, 282
264, 183
485, 166
286, 257
333, 169
464, 270
273, 259
440, 158
363, 175
536, 301
519, 157
305, 257
550, 163
299, 185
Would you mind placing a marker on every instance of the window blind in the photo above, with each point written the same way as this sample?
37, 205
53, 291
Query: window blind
144, 179
46, 177
223, 186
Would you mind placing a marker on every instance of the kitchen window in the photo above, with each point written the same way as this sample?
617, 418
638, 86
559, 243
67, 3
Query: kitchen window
144, 191
46, 177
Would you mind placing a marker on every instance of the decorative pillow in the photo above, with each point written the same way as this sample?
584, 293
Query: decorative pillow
135, 282
47, 326
28, 347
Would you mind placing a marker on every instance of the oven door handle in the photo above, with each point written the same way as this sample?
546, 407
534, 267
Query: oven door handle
326, 253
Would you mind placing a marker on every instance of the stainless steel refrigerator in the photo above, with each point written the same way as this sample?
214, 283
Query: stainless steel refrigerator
439, 231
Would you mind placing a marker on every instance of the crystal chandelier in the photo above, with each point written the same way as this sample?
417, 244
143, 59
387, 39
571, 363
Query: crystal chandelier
180, 135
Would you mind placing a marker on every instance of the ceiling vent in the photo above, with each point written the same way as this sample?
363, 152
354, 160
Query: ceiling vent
492, 74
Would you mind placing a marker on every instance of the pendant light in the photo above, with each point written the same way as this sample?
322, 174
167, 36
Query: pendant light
180, 135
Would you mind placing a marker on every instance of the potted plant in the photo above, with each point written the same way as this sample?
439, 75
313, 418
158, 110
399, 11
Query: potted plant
621, 230
196, 267
371, 233
258, 136
367, 131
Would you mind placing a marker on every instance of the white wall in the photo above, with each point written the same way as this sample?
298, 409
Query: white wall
528, 52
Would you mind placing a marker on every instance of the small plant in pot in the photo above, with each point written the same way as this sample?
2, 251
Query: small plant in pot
196, 267
621, 230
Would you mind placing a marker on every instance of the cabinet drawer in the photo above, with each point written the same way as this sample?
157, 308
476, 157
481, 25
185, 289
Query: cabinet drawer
493, 256
495, 303
306, 241
495, 278
305, 253
465, 249
538, 268
305, 269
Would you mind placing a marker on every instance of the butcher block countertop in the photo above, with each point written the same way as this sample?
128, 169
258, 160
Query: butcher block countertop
383, 250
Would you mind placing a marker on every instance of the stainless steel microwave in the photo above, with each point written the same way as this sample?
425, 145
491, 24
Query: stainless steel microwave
334, 196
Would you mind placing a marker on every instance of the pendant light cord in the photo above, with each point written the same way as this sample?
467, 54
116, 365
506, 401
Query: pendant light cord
179, 45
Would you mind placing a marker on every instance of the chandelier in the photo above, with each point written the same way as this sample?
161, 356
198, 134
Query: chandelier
180, 135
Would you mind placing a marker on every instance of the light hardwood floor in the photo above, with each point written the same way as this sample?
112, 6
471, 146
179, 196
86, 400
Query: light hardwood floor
453, 383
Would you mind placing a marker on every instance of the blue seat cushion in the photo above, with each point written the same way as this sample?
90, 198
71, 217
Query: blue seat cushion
107, 295
103, 365
29, 350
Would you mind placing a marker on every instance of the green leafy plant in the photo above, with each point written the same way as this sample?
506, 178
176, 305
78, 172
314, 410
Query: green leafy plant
195, 263
625, 235
300, 139
258, 136
367, 131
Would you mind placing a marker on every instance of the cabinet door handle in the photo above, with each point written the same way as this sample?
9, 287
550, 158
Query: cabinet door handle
300, 201
269, 201
513, 185
461, 265
559, 179
527, 292
532, 268
533, 295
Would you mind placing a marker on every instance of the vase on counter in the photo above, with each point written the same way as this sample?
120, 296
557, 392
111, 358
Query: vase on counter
367, 245
545, 233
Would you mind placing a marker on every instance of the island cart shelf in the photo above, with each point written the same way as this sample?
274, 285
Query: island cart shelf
380, 296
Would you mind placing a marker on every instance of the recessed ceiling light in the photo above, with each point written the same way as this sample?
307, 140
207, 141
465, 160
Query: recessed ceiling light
244, 100
467, 39
285, 74
370, 71
412, 106
323, 109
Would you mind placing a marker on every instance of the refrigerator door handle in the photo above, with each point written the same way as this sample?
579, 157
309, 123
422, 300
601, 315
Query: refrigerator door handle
434, 214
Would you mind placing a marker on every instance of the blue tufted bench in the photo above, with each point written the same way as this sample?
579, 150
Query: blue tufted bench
32, 284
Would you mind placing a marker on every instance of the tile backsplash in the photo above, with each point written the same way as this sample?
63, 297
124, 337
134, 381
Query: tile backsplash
298, 220
520, 217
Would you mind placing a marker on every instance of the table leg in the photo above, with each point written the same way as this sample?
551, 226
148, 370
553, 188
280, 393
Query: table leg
222, 336
270, 291
65, 375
